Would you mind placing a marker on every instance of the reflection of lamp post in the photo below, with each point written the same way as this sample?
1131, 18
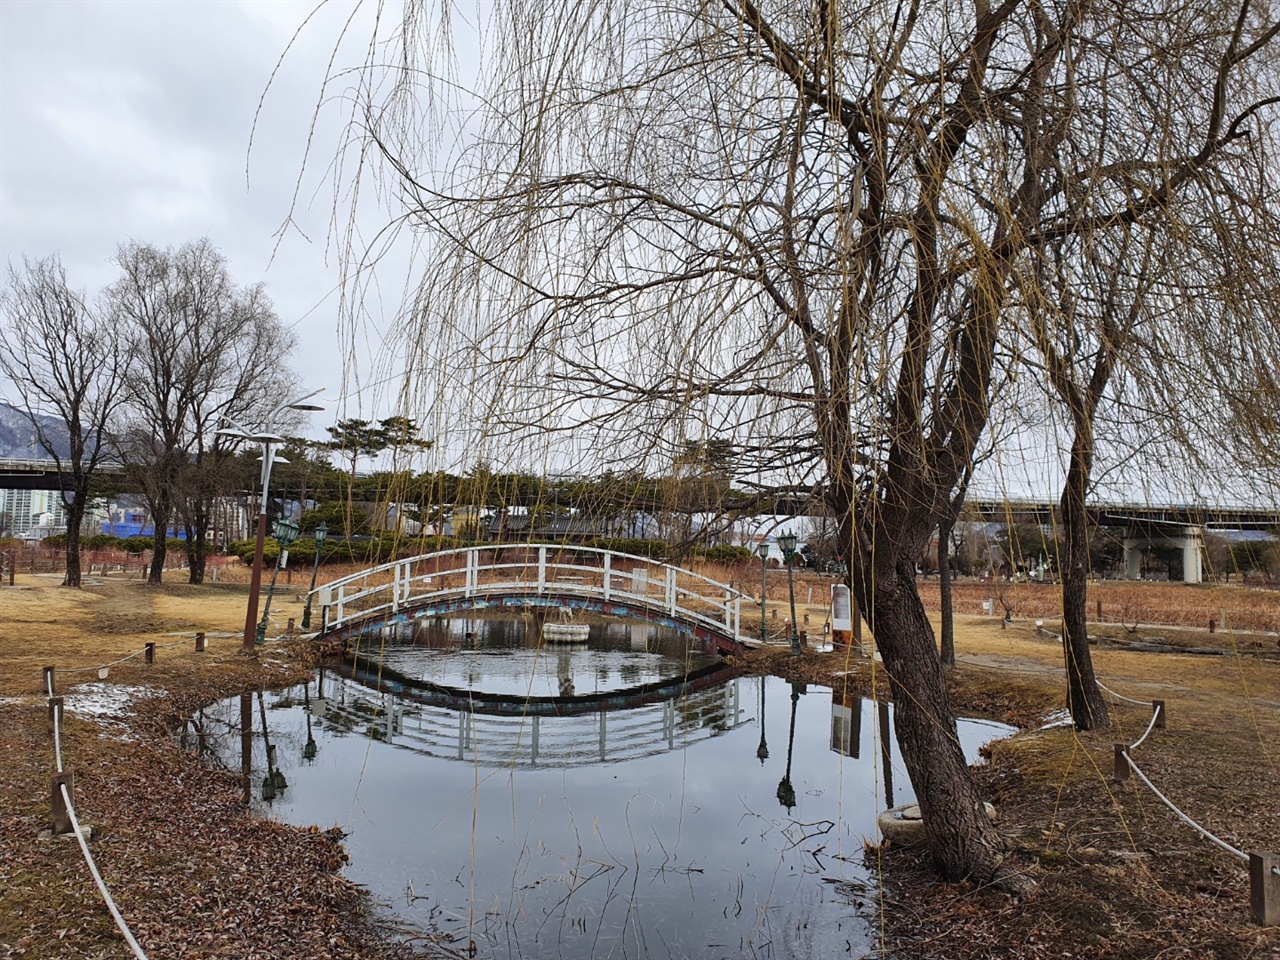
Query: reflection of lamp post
786, 792
269, 441
274, 781
321, 531
763, 550
762, 751
309, 751
788, 543
285, 533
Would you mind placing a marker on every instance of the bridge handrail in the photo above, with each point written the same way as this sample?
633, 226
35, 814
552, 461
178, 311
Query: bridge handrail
675, 596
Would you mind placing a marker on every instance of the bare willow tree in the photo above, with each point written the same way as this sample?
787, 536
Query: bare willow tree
203, 349
799, 228
63, 357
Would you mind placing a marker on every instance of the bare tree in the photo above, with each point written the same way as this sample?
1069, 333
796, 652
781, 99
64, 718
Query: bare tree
807, 225
66, 358
204, 349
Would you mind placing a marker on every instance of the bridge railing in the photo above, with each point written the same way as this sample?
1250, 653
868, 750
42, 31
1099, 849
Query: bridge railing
537, 569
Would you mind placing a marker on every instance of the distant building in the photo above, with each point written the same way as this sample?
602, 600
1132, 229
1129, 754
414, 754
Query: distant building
40, 511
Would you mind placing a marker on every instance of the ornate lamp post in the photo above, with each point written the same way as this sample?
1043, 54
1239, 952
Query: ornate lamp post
321, 531
269, 442
787, 542
763, 550
285, 533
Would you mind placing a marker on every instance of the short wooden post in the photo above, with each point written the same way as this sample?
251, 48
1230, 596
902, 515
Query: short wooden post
48, 681
292, 627
60, 817
1099, 617
806, 619
1122, 761
1213, 625
55, 712
1264, 889
149, 653
1158, 707
200, 643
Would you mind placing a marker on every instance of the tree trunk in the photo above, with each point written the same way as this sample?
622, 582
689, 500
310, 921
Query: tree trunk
160, 514
197, 542
1088, 708
75, 515
961, 838
945, 527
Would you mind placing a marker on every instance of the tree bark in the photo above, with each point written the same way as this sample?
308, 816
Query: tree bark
160, 514
961, 838
75, 516
1088, 708
197, 543
945, 526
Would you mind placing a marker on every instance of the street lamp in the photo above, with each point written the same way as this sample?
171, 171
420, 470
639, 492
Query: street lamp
285, 533
269, 441
321, 531
787, 541
763, 550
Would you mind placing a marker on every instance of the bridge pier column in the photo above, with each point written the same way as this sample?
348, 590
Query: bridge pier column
1192, 552
1133, 547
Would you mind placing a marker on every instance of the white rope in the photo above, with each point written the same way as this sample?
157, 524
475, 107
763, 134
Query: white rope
1141, 703
1155, 715
57, 735
97, 878
1195, 826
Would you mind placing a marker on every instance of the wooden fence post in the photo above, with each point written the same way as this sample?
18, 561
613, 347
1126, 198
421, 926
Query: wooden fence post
1122, 761
60, 818
1264, 888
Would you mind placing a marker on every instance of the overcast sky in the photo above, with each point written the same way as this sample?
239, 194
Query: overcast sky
123, 120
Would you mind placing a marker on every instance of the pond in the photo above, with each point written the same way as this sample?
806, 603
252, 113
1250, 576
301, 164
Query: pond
584, 802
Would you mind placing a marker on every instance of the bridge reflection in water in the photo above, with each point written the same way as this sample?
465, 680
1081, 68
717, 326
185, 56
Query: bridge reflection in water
443, 692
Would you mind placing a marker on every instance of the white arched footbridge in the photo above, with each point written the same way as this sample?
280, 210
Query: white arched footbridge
516, 577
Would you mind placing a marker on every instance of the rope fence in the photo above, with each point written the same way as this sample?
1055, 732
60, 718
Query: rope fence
102, 669
64, 816
64, 819
1264, 868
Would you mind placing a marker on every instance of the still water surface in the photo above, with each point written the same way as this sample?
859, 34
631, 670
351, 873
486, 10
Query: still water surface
727, 821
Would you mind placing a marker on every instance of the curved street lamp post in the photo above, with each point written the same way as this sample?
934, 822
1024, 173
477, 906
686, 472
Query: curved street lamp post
269, 442
788, 543
321, 531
